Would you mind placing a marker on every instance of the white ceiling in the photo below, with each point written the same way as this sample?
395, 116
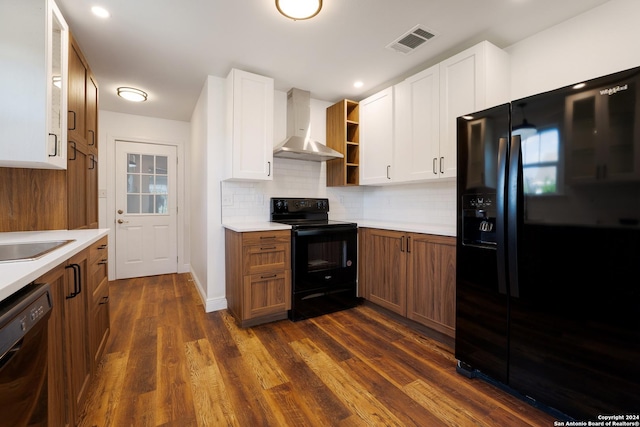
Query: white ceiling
168, 47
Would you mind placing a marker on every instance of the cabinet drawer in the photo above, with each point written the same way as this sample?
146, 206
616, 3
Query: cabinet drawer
267, 294
266, 257
266, 237
98, 251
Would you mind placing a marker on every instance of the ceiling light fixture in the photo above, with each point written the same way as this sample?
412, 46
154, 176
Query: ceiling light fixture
299, 9
132, 94
100, 12
358, 84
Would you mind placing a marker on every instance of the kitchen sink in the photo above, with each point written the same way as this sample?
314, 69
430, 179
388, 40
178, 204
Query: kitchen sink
28, 251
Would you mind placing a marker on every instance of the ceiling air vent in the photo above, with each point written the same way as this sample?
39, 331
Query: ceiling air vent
411, 40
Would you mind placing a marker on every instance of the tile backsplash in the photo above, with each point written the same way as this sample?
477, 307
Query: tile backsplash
432, 203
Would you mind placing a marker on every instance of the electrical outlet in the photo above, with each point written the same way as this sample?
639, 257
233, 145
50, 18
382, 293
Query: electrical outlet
227, 200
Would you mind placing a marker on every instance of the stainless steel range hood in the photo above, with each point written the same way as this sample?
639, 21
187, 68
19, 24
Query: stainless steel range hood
298, 145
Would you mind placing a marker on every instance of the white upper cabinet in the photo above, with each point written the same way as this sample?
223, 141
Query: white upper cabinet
376, 138
249, 149
33, 83
417, 142
470, 81
408, 132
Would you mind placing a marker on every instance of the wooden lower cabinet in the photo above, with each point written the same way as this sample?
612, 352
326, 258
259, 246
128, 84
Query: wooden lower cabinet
78, 330
258, 275
98, 301
431, 296
78, 361
57, 408
383, 268
411, 274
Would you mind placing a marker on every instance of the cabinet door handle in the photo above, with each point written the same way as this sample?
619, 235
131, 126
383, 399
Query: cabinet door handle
402, 244
92, 158
75, 153
55, 146
269, 163
93, 137
435, 171
74, 120
408, 244
77, 281
388, 177
104, 300
441, 164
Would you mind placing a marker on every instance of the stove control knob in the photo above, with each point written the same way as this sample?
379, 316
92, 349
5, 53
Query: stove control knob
279, 205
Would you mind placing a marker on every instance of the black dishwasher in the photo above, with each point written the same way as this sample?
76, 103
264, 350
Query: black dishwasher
23, 357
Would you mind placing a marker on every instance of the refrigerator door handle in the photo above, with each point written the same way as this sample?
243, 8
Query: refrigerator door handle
514, 198
501, 251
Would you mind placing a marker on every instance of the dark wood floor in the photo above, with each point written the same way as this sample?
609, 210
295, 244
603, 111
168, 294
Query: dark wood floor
168, 363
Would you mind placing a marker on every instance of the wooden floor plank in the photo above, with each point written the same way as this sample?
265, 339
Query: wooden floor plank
168, 363
211, 400
106, 391
358, 399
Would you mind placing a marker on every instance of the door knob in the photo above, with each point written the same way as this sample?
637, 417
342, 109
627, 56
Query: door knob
122, 222
120, 211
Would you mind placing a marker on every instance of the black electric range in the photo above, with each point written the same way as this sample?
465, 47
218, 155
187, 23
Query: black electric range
324, 257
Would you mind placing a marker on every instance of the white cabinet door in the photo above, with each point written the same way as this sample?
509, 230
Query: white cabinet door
376, 138
250, 127
472, 80
417, 142
33, 83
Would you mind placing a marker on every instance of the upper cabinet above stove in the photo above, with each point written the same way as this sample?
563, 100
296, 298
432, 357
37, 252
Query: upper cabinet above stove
33, 84
249, 139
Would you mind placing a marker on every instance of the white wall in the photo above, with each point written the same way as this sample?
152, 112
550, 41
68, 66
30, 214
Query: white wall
207, 157
117, 126
598, 42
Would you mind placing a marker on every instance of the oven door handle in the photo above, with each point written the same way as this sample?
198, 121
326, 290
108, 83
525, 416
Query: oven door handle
334, 229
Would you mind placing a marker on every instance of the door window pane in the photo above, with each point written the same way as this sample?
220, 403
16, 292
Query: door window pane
147, 184
133, 163
147, 204
133, 204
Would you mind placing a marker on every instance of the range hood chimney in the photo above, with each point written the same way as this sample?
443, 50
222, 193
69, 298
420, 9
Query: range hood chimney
298, 144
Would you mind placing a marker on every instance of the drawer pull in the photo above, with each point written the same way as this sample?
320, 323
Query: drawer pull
102, 246
269, 277
267, 248
267, 237
104, 300
104, 261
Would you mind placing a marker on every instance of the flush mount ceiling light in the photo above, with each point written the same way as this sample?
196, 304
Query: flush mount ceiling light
299, 9
132, 94
100, 12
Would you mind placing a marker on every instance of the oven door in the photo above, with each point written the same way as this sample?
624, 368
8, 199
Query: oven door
324, 258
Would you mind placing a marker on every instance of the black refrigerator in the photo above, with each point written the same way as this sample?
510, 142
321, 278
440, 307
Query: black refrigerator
548, 247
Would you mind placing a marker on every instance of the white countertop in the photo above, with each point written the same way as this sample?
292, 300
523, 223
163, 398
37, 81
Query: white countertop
439, 230
15, 275
244, 227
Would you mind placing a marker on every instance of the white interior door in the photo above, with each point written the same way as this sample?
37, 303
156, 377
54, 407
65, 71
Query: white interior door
146, 211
